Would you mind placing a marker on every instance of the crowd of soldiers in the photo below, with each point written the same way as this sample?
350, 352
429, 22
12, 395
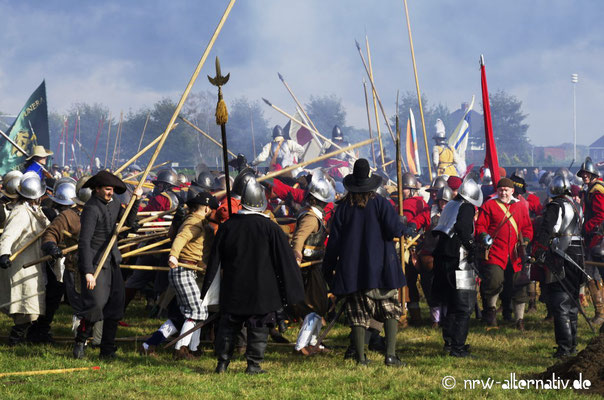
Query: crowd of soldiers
287, 249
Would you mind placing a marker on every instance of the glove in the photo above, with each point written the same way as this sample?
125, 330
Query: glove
410, 230
135, 226
51, 249
402, 219
5, 262
471, 249
180, 212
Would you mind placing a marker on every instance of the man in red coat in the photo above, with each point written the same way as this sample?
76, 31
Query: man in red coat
507, 222
592, 199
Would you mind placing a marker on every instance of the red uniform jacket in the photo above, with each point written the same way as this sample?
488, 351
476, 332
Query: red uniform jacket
593, 203
535, 205
423, 219
490, 217
281, 190
413, 206
222, 212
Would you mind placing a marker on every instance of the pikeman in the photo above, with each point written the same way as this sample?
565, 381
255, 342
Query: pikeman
259, 276
558, 247
282, 151
191, 246
63, 194
23, 289
506, 221
308, 242
339, 166
360, 260
103, 297
427, 220
10, 182
454, 273
592, 198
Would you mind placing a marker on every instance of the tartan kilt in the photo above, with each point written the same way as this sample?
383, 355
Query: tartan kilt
360, 308
188, 294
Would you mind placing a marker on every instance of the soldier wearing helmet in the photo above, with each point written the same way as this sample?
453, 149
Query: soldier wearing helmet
339, 165
164, 198
560, 231
444, 157
281, 151
506, 220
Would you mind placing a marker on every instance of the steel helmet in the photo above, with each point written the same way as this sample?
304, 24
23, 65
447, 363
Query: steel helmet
182, 179
321, 188
563, 171
168, 176
487, 178
206, 181
409, 181
252, 196
470, 191
31, 186
277, 131
559, 186
10, 183
82, 194
437, 183
336, 133
64, 191
444, 193
588, 166
241, 180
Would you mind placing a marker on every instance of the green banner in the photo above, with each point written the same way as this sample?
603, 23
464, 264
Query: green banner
29, 129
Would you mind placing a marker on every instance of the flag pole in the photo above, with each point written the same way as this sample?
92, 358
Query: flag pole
419, 96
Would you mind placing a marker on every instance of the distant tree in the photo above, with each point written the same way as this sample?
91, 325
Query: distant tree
325, 112
509, 128
245, 115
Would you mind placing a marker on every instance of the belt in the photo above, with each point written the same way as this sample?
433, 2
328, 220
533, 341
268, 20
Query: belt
180, 260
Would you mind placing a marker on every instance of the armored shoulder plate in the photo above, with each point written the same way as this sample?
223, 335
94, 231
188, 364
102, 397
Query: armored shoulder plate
448, 217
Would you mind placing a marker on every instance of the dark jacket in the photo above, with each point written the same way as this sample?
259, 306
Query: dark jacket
360, 252
259, 271
463, 234
98, 221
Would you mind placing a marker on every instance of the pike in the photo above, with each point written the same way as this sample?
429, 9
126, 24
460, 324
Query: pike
222, 117
156, 268
117, 136
20, 149
399, 184
377, 96
300, 108
141, 152
419, 96
164, 136
106, 146
369, 124
375, 107
140, 142
154, 167
198, 129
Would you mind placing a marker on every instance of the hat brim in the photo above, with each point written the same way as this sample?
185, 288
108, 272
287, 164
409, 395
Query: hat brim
42, 155
105, 178
77, 201
10, 196
367, 185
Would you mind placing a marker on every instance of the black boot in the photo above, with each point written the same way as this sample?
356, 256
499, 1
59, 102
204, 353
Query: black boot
108, 347
490, 316
84, 331
256, 346
17, 334
561, 306
225, 344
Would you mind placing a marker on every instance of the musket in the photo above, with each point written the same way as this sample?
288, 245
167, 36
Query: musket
164, 136
222, 117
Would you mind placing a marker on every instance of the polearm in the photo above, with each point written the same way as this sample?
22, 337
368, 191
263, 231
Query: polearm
117, 135
140, 142
96, 142
300, 107
253, 137
164, 136
107, 145
305, 163
222, 117
419, 96
198, 129
369, 124
154, 167
399, 184
141, 152
375, 106
377, 96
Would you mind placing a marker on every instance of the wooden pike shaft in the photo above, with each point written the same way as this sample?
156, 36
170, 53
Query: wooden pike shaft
140, 142
309, 263
164, 136
140, 238
49, 371
154, 268
107, 145
148, 253
216, 142
26, 245
369, 124
117, 136
375, 106
154, 167
419, 95
141, 152
305, 163
298, 104
147, 247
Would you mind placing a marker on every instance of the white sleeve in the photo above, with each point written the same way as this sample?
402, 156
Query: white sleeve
296, 148
13, 229
263, 155
435, 156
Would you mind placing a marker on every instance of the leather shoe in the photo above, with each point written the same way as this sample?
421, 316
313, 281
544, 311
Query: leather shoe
393, 361
254, 369
78, 350
364, 361
108, 356
221, 367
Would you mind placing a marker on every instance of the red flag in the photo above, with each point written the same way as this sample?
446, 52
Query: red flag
490, 160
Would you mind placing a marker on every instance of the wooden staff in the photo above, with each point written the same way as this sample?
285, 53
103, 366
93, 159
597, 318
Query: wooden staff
117, 136
134, 182
140, 142
309, 263
305, 163
369, 124
22, 298
154, 167
216, 142
24, 247
399, 182
148, 253
154, 268
419, 95
106, 147
155, 230
375, 106
147, 247
49, 371
377, 96
141, 152
139, 238
199, 325
164, 136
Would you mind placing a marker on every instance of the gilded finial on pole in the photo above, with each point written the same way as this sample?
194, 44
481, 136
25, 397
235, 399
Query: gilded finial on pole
222, 114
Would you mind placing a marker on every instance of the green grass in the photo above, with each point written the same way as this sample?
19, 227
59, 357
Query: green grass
498, 353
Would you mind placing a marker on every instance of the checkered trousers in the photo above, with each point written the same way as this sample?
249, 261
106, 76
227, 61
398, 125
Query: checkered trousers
188, 294
360, 309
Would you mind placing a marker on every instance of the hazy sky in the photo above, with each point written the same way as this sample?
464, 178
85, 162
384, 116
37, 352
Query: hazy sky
127, 54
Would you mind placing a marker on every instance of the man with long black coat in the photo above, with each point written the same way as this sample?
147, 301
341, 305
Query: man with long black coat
361, 262
260, 275
103, 297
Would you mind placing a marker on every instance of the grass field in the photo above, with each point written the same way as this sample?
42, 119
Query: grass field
498, 354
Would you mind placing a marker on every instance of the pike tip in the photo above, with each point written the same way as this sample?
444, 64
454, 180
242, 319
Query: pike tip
280, 76
266, 101
357, 44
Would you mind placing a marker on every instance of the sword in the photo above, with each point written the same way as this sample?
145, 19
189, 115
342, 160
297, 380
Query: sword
568, 258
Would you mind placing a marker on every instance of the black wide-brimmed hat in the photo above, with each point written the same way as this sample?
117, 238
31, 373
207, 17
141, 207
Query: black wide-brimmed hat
361, 179
106, 178
203, 199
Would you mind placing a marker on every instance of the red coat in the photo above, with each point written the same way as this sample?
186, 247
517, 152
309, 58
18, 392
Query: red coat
222, 212
423, 219
535, 205
413, 206
490, 217
593, 203
281, 190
